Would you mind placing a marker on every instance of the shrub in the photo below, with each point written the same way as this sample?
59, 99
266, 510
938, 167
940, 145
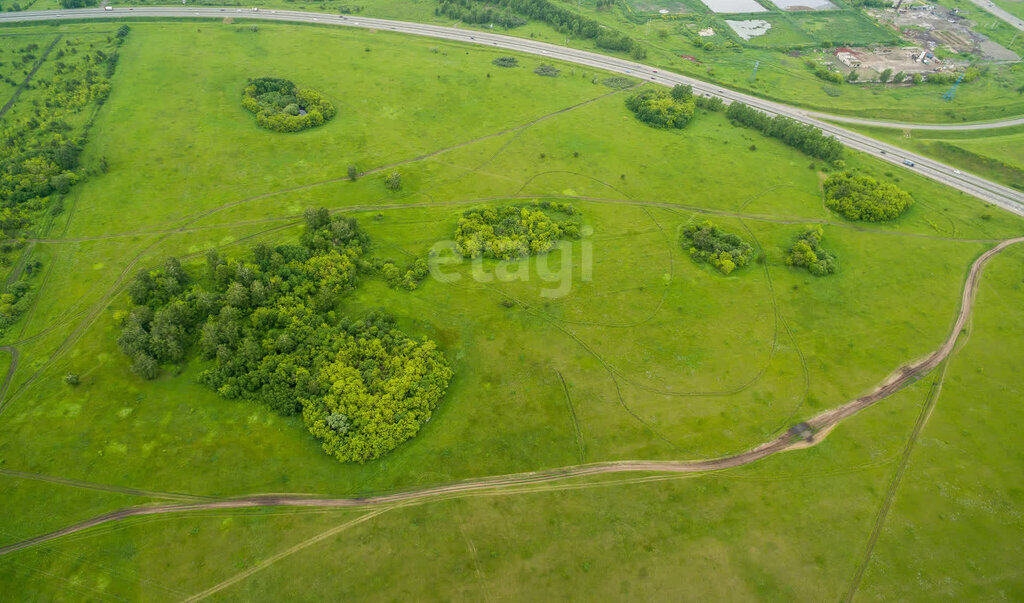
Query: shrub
807, 253
393, 181
658, 108
708, 243
506, 62
547, 70
281, 106
617, 83
71, 379
859, 197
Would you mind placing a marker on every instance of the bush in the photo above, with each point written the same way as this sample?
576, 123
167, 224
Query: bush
280, 106
708, 243
807, 253
71, 379
547, 71
512, 232
393, 181
506, 62
859, 197
657, 107
617, 83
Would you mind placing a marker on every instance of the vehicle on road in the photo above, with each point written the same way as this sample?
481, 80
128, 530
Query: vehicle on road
957, 172
108, 7
908, 162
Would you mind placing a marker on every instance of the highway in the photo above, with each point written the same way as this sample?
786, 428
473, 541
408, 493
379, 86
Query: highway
999, 12
990, 192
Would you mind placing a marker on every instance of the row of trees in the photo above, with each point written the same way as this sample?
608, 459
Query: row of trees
563, 19
469, 11
281, 106
723, 250
860, 197
807, 253
807, 138
270, 324
663, 109
514, 231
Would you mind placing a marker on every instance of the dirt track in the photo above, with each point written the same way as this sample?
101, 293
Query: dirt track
893, 383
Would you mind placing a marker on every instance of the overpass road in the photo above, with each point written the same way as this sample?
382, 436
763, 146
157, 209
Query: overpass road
990, 192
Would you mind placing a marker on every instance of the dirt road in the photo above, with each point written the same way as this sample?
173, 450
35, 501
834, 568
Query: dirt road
822, 422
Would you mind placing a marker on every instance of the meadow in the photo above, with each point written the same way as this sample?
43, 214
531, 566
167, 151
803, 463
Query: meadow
670, 39
651, 357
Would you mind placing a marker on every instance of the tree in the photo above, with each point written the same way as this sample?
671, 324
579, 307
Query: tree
145, 366
682, 92
71, 379
393, 181
353, 172
658, 108
859, 197
884, 76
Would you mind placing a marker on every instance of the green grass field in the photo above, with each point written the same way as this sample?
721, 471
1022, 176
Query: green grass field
994, 154
655, 357
780, 76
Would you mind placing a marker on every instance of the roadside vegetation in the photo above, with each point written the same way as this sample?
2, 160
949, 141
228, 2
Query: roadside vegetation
662, 108
861, 197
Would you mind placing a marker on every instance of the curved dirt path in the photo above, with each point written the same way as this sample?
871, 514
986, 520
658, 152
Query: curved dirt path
824, 421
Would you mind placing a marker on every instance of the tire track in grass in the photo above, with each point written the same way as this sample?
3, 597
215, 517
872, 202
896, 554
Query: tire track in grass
897, 479
580, 449
28, 78
897, 380
285, 553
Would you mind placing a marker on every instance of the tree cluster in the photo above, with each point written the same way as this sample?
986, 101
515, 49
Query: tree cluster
42, 147
708, 243
506, 62
469, 11
547, 70
269, 323
281, 106
565, 20
860, 197
514, 231
807, 253
800, 136
396, 277
662, 109
15, 300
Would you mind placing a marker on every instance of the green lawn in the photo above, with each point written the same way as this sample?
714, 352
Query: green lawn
661, 358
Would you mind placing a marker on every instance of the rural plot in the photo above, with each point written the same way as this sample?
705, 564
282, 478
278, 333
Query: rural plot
734, 6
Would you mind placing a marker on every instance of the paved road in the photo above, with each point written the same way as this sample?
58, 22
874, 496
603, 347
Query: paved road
990, 192
1002, 14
